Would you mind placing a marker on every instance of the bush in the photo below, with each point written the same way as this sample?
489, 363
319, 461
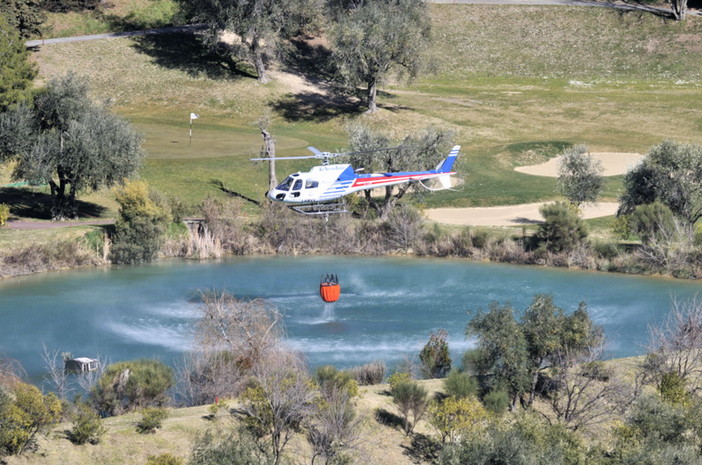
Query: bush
151, 419
460, 384
652, 221
4, 213
497, 401
127, 386
436, 362
164, 459
24, 412
141, 226
235, 448
562, 229
455, 418
412, 402
330, 380
369, 374
87, 426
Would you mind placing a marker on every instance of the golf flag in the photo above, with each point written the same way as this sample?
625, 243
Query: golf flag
190, 136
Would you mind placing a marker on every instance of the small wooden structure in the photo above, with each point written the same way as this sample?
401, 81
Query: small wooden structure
80, 364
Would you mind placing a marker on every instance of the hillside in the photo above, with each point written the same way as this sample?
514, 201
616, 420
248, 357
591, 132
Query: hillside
514, 82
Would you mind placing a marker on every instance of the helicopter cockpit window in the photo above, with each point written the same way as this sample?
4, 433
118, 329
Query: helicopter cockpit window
285, 185
311, 184
298, 185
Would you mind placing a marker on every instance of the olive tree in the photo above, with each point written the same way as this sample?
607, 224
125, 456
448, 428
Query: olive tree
69, 142
415, 152
579, 176
261, 25
670, 173
372, 39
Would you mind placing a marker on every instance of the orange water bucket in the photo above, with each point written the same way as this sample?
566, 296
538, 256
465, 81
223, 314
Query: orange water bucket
329, 289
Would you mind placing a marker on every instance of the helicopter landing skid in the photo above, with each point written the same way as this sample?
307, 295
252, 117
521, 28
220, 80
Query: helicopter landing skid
320, 208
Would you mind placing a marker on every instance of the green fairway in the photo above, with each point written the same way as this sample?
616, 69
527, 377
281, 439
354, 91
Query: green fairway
517, 84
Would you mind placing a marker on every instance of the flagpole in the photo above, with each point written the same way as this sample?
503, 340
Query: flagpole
190, 132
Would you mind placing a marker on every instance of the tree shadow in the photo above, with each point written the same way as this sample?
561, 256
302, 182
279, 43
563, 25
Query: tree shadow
387, 418
316, 107
631, 6
309, 57
220, 185
188, 52
28, 203
423, 449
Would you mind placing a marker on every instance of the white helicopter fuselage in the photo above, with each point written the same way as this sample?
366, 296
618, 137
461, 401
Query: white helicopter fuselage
327, 183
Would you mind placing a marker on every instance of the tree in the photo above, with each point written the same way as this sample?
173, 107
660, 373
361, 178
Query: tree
69, 142
412, 402
670, 173
16, 72
562, 229
675, 346
374, 38
278, 400
517, 354
435, 358
500, 356
260, 24
268, 149
24, 412
679, 8
141, 225
579, 176
334, 428
127, 386
23, 15
423, 151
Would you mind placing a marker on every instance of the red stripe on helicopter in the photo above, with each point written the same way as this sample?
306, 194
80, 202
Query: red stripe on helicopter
379, 181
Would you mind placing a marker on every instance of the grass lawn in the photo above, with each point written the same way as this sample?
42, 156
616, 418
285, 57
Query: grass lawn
517, 84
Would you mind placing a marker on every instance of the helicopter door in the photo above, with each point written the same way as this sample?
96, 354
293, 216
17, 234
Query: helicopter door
296, 188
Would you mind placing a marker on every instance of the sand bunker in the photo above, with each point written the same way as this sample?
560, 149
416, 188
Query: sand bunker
614, 163
510, 215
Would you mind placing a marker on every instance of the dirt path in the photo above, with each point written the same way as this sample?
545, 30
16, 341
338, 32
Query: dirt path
55, 224
510, 215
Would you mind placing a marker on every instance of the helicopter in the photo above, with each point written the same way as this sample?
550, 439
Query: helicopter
319, 191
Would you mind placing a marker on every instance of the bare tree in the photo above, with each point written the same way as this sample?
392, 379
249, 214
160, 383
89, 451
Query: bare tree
268, 149
247, 329
676, 344
584, 392
279, 399
335, 428
231, 338
88, 380
55, 371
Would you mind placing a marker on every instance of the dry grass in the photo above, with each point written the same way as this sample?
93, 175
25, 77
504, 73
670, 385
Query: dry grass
122, 445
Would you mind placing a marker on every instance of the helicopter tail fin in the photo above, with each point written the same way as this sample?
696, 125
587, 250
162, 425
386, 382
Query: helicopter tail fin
447, 164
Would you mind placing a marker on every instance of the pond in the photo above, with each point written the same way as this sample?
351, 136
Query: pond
388, 306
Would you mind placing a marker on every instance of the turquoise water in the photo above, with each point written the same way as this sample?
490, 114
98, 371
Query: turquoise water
387, 308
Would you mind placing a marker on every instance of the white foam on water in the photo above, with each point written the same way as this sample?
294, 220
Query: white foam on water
178, 338
179, 309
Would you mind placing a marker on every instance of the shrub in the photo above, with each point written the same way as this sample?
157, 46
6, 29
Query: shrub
397, 378
164, 459
140, 229
151, 419
4, 213
126, 386
235, 448
369, 374
436, 362
87, 426
412, 402
454, 418
460, 384
497, 401
652, 221
562, 229
24, 412
331, 380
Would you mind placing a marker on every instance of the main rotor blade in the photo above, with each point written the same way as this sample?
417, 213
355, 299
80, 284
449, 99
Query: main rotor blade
282, 158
